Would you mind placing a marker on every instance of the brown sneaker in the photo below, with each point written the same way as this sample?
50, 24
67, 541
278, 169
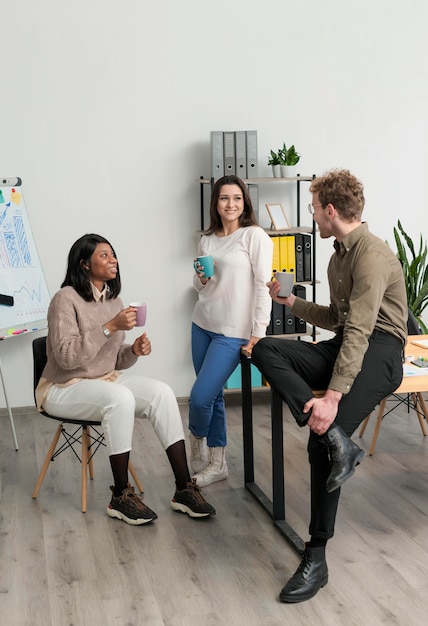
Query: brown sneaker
130, 508
191, 501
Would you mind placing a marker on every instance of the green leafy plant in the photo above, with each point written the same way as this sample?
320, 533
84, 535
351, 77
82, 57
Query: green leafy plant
415, 268
274, 158
288, 156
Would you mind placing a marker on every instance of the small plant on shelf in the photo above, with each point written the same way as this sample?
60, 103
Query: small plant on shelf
288, 156
275, 161
274, 158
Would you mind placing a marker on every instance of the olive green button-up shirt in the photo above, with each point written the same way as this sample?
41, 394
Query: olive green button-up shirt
367, 293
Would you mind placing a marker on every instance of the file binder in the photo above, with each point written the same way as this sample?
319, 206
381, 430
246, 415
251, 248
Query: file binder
234, 380
276, 260
277, 318
300, 291
252, 167
289, 321
300, 274
283, 254
307, 257
217, 157
241, 154
291, 255
253, 191
229, 152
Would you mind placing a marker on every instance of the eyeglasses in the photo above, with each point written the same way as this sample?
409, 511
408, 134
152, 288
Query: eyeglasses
311, 207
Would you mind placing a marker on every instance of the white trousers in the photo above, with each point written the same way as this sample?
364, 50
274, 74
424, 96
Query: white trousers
116, 404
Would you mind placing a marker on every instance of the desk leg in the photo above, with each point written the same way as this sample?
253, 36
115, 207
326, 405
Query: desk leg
247, 420
278, 480
275, 507
278, 484
247, 430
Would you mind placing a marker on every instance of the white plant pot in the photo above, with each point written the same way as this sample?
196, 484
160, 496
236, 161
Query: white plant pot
276, 169
288, 171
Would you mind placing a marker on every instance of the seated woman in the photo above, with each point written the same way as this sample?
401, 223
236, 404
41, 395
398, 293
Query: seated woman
83, 378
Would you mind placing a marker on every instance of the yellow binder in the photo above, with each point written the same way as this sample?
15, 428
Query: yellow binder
276, 263
283, 249
291, 254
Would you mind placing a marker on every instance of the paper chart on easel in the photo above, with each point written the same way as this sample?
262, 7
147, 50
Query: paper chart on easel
21, 273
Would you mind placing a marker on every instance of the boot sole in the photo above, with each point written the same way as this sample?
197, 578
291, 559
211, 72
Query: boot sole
357, 461
303, 598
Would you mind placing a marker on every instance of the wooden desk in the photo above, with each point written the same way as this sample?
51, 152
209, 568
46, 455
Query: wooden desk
411, 384
276, 507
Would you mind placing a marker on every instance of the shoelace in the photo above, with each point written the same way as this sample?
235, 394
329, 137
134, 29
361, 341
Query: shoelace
305, 563
129, 494
196, 492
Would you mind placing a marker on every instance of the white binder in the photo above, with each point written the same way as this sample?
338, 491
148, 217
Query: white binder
241, 153
252, 168
229, 152
217, 161
253, 191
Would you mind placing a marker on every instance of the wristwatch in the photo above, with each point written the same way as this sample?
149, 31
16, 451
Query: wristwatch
106, 331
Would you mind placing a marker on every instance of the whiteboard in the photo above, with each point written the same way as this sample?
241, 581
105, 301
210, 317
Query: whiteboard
21, 274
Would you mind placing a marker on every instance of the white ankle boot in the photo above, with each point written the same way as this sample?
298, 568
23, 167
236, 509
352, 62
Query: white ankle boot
199, 453
216, 469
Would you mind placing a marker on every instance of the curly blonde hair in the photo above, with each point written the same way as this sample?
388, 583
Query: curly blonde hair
341, 189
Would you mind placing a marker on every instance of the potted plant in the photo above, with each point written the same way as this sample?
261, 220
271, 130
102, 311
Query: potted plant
288, 158
275, 161
415, 268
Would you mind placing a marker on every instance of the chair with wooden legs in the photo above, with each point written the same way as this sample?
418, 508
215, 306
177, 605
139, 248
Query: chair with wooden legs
412, 387
414, 400
83, 438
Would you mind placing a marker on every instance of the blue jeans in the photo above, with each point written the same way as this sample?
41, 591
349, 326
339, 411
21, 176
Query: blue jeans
214, 358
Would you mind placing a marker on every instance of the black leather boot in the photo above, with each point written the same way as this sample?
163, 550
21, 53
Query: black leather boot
345, 455
310, 576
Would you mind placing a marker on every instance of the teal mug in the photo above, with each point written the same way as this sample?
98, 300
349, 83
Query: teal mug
204, 265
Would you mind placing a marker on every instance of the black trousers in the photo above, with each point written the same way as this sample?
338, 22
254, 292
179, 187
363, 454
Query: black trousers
295, 368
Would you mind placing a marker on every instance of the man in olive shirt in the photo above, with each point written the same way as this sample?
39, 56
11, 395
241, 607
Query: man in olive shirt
358, 367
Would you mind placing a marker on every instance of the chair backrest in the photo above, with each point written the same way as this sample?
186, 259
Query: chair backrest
413, 327
39, 359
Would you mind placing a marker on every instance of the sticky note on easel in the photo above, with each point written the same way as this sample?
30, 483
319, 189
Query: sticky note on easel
15, 196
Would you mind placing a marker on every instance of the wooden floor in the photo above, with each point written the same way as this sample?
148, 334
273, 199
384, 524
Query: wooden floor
60, 567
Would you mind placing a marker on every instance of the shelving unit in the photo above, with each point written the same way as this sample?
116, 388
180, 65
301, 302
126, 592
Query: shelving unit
274, 233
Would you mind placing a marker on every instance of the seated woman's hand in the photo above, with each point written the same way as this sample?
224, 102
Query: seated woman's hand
142, 346
124, 320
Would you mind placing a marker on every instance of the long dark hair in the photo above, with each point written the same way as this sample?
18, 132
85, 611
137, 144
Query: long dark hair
77, 276
247, 217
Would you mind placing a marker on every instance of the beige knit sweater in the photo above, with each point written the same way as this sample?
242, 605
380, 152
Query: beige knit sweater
76, 345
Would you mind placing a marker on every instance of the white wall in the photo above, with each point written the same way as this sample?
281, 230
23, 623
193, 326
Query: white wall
106, 113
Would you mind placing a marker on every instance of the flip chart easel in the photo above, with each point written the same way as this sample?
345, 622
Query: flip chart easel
24, 294
12, 423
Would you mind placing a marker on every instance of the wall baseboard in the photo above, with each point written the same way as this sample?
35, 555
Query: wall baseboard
232, 397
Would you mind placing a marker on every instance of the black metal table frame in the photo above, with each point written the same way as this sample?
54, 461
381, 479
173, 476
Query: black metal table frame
275, 507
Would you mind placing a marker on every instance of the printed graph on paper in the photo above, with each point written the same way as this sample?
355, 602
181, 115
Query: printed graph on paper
21, 273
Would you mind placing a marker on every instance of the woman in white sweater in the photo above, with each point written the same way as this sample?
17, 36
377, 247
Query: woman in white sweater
232, 311
84, 377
